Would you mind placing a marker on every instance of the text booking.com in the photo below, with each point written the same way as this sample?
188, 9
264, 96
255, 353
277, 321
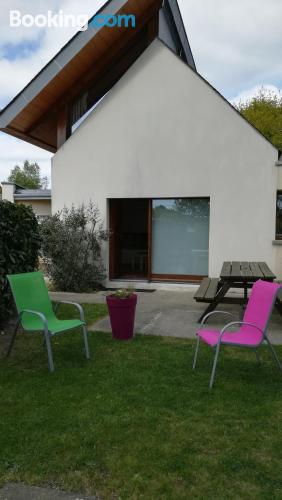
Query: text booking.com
63, 20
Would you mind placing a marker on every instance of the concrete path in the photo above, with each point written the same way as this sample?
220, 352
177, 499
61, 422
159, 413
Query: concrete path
17, 491
81, 298
168, 313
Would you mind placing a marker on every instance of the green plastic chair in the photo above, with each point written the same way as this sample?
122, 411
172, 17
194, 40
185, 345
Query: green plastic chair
36, 312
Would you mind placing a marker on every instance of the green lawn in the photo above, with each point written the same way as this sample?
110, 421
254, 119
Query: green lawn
92, 313
136, 422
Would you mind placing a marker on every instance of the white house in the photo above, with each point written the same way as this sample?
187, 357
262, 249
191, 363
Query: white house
38, 199
181, 179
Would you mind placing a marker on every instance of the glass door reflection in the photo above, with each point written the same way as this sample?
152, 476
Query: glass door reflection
180, 237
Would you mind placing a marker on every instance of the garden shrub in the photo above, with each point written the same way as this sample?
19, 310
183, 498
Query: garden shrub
71, 248
19, 247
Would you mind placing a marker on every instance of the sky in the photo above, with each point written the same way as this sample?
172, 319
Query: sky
237, 47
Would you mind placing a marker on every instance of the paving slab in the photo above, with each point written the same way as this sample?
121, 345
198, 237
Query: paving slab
170, 313
17, 491
176, 314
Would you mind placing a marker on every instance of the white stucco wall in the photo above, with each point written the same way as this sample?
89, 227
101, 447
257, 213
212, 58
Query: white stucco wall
162, 131
279, 176
8, 190
278, 259
278, 244
40, 207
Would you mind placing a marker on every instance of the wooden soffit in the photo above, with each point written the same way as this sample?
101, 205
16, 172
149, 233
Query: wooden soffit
34, 113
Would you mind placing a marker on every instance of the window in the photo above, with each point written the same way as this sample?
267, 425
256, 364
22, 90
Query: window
159, 239
180, 236
83, 114
279, 216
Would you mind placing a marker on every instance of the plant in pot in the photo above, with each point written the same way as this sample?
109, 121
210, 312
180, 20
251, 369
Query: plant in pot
122, 306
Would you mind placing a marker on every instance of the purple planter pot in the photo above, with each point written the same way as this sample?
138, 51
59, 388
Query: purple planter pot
122, 316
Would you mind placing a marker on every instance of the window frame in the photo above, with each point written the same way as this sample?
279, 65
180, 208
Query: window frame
278, 236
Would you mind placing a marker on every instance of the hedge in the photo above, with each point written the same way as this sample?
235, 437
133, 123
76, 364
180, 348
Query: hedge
19, 247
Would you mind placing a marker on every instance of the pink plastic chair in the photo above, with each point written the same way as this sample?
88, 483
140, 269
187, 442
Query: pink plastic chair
252, 332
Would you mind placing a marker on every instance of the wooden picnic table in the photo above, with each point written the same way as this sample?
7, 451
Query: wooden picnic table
233, 275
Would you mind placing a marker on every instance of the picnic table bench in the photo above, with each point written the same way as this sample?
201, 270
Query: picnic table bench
233, 275
207, 290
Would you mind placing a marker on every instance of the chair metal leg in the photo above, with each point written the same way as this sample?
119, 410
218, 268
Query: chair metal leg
13, 339
196, 352
49, 351
274, 354
258, 356
214, 365
85, 336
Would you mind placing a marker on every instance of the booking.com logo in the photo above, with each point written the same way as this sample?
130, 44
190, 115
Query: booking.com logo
62, 20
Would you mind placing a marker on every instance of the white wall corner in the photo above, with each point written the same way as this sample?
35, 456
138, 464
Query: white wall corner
8, 190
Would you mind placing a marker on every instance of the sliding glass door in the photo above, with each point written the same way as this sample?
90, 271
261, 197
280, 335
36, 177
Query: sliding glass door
180, 237
164, 239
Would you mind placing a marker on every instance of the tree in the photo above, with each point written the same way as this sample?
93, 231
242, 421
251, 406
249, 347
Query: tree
71, 248
197, 207
28, 176
264, 111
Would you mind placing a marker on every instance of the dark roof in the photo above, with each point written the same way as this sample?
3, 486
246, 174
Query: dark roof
12, 184
177, 28
29, 194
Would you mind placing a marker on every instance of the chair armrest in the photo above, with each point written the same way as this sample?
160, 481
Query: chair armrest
216, 312
78, 306
36, 313
238, 323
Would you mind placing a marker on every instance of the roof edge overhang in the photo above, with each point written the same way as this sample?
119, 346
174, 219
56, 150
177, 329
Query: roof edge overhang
8, 183
53, 67
27, 138
171, 8
20, 109
34, 198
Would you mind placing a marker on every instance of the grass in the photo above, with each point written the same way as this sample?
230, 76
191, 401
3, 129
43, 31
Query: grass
136, 422
92, 312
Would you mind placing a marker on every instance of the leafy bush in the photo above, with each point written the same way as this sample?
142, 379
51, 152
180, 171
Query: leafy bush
71, 248
19, 247
123, 293
264, 111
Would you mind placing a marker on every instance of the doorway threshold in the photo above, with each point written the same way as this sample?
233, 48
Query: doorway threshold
138, 285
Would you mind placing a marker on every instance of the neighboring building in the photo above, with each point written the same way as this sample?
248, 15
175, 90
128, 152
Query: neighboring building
39, 199
181, 179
